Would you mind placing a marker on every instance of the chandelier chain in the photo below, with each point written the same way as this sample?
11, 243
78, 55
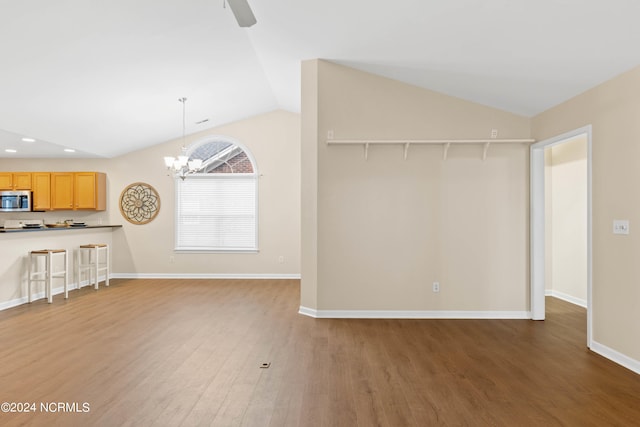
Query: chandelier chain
184, 126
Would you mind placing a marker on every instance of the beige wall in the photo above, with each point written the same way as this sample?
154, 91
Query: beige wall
566, 199
387, 227
274, 141
309, 185
612, 110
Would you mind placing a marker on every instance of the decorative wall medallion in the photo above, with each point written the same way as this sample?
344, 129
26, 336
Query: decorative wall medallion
139, 203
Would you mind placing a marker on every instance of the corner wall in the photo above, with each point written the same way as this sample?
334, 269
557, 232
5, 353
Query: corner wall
387, 228
612, 110
309, 186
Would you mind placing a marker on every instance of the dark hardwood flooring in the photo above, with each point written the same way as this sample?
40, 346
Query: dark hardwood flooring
188, 353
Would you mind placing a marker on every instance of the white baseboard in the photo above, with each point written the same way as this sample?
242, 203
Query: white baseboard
412, 314
565, 297
16, 302
40, 295
201, 276
615, 356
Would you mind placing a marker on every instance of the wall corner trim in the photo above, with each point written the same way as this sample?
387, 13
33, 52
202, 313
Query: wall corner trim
412, 314
616, 356
308, 312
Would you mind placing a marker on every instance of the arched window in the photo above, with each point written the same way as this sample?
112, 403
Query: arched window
216, 209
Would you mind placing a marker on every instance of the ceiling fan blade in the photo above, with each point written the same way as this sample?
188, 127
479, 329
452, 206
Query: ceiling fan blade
242, 12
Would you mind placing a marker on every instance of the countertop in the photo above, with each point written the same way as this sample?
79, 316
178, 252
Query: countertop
40, 229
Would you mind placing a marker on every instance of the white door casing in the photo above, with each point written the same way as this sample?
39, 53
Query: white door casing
537, 227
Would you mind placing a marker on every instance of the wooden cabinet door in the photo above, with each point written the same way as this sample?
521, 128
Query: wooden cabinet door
62, 190
90, 190
84, 190
15, 180
6, 181
22, 180
41, 182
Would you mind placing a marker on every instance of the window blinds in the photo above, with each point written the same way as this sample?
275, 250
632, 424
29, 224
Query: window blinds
216, 212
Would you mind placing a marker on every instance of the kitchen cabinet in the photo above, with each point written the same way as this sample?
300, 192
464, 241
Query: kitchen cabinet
6, 181
78, 191
15, 180
90, 191
61, 190
41, 186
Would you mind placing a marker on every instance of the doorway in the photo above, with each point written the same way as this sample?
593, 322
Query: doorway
539, 237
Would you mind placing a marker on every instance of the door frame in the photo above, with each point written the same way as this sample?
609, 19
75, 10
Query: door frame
537, 224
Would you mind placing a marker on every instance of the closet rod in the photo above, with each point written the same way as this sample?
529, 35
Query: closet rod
430, 141
446, 143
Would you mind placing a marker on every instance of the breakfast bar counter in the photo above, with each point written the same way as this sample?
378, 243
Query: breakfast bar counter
17, 243
62, 228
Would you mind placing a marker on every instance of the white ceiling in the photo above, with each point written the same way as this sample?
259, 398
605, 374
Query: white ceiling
104, 77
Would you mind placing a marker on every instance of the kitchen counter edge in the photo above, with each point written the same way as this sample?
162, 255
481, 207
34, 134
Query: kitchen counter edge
31, 230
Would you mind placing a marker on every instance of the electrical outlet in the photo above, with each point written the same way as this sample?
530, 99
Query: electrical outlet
281, 259
436, 286
172, 258
494, 133
330, 134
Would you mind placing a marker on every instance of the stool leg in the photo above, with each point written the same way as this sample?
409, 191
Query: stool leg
66, 278
95, 251
106, 260
77, 269
29, 268
49, 291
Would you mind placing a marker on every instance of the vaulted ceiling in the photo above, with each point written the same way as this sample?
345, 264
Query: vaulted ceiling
104, 77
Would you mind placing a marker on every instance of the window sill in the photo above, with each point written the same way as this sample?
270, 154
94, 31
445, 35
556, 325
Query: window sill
215, 251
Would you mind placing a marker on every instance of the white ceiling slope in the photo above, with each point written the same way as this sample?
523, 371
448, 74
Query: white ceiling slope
104, 77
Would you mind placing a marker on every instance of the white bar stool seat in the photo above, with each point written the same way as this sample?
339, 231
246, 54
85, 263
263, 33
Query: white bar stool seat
94, 259
47, 274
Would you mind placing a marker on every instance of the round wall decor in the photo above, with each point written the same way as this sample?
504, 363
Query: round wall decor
139, 203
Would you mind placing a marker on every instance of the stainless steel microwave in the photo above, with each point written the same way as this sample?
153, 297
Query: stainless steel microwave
15, 201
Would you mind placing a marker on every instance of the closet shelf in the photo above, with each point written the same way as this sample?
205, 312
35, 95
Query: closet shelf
446, 143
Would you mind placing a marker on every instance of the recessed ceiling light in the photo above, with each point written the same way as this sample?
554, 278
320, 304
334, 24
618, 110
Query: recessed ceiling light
69, 150
28, 140
11, 150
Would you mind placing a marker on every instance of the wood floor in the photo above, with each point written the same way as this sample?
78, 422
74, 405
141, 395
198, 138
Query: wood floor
189, 353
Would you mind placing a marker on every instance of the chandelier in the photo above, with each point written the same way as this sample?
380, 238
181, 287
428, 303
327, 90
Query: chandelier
181, 166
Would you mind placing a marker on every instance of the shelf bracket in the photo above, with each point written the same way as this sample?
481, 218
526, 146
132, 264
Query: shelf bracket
484, 152
406, 149
445, 150
366, 151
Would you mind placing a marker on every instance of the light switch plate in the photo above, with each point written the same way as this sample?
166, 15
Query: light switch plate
620, 226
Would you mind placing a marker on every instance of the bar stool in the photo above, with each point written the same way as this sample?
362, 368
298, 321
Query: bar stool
48, 274
93, 263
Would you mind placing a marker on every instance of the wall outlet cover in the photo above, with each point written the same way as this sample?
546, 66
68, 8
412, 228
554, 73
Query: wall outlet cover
620, 226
